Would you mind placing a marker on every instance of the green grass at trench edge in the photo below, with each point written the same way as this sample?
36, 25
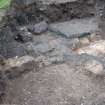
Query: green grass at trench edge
4, 4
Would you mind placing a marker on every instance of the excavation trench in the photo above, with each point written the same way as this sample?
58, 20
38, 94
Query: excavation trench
62, 38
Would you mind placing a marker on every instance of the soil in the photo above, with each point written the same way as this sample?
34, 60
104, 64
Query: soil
52, 11
62, 84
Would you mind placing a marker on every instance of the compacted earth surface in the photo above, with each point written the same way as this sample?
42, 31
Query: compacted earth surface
55, 57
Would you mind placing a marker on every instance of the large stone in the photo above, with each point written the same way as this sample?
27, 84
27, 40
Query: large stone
96, 49
15, 67
75, 28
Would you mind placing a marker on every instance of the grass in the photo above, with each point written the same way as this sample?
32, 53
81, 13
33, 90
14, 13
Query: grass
4, 4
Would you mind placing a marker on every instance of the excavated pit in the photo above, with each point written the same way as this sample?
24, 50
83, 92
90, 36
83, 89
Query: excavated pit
64, 73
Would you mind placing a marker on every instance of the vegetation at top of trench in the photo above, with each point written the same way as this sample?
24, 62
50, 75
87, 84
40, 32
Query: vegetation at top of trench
4, 4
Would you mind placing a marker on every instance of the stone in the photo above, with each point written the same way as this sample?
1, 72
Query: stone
15, 67
39, 49
94, 67
43, 48
92, 37
84, 41
58, 59
75, 27
39, 28
24, 35
53, 50
56, 2
96, 48
42, 61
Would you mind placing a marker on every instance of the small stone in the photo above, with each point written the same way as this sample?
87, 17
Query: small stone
24, 35
95, 37
92, 37
94, 67
84, 41
39, 28
56, 60
74, 44
42, 61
